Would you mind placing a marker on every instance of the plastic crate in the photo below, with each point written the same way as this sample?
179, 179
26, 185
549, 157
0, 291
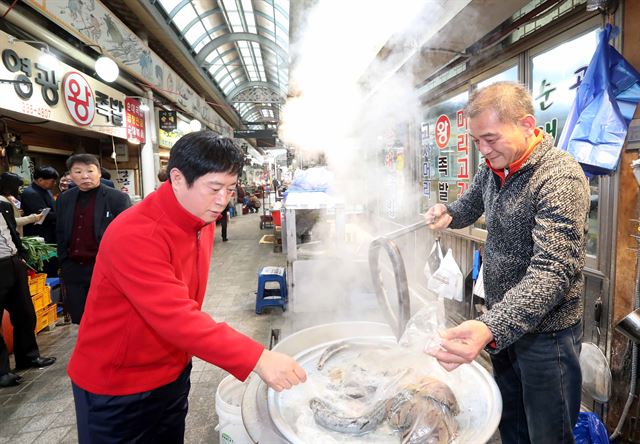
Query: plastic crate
37, 283
41, 300
46, 317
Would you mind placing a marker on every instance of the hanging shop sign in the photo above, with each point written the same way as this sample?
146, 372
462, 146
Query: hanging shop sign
135, 120
168, 139
124, 181
168, 120
60, 93
95, 24
445, 150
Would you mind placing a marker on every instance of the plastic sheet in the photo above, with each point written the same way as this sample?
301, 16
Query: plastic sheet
590, 430
365, 393
312, 179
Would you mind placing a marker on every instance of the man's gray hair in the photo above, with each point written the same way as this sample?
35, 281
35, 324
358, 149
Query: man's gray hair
510, 100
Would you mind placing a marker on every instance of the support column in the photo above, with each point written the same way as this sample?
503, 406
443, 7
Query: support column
147, 160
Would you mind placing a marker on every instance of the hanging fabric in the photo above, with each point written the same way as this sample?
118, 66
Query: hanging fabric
602, 110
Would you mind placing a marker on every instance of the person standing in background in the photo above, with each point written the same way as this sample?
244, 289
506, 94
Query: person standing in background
65, 182
240, 195
105, 178
16, 299
84, 213
535, 198
224, 220
36, 198
10, 184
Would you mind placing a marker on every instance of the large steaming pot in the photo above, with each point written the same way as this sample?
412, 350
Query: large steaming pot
265, 422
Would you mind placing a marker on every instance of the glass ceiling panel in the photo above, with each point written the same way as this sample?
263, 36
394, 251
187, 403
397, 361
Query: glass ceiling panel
169, 5
184, 17
236, 62
194, 33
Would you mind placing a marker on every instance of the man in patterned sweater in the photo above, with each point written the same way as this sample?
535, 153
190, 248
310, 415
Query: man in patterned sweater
535, 199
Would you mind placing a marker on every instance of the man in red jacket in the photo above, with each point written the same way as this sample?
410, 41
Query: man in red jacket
143, 320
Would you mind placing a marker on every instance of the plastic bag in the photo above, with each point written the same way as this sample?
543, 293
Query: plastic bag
447, 281
590, 430
433, 260
478, 288
605, 103
423, 327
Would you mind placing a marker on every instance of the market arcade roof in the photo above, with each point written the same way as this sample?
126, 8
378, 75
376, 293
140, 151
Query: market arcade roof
243, 46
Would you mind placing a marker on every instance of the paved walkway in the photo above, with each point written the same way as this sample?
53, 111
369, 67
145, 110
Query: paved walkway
41, 410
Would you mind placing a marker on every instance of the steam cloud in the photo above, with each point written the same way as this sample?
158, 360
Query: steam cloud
350, 105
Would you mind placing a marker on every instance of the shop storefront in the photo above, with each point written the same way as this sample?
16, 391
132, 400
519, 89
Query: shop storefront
51, 111
551, 58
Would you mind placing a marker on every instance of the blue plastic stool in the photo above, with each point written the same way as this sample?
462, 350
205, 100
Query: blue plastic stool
272, 297
54, 284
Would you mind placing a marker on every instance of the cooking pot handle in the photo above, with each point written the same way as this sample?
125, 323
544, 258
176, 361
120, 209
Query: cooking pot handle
397, 323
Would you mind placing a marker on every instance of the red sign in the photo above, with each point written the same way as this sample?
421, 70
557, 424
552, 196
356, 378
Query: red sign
443, 131
135, 120
78, 98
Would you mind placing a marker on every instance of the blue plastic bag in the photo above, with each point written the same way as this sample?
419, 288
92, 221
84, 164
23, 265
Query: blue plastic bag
590, 430
605, 102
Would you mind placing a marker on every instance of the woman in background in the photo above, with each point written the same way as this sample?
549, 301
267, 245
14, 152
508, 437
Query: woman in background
10, 184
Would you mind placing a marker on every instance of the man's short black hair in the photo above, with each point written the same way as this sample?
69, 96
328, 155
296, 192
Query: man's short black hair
87, 159
203, 152
45, 172
10, 184
105, 173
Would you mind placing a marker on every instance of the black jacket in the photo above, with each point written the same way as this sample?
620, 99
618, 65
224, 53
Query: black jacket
7, 213
34, 199
109, 203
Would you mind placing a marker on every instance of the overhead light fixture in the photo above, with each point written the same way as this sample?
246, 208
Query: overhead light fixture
143, 104
46, 59
106, 68
195, 125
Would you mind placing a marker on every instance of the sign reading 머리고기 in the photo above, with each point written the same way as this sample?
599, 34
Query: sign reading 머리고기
60, 93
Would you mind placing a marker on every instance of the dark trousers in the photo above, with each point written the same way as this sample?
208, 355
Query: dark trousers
75, 280
540, 381
223, 224
16, 299
156, 416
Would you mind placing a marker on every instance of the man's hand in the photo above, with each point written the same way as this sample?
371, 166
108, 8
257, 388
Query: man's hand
39, 217
462, 344
279, 371
437, 217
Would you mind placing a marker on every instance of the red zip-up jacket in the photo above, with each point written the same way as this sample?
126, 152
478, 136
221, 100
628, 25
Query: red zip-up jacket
143, 321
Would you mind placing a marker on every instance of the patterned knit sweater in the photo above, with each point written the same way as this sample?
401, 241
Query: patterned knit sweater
537, 223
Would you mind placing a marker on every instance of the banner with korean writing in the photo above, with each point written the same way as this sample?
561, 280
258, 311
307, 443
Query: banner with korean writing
125, 181
135, 120
445, 151
168, 120
60, 93
392, 178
